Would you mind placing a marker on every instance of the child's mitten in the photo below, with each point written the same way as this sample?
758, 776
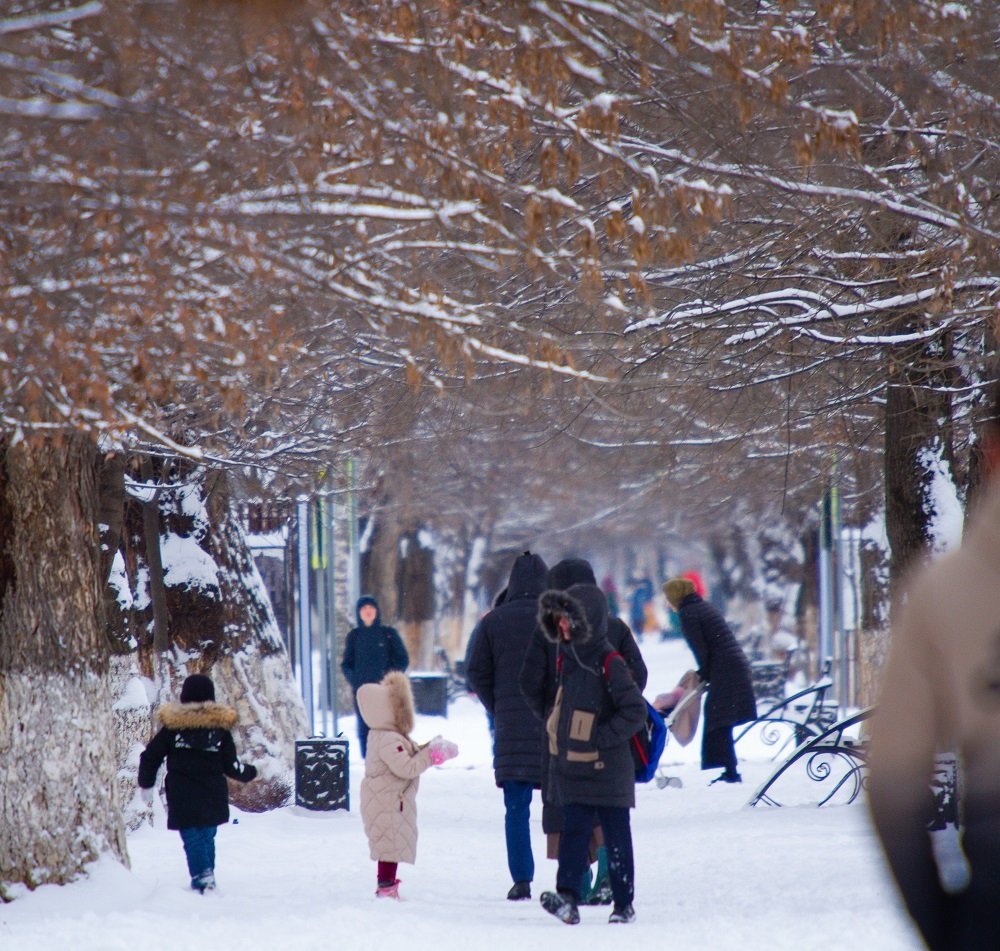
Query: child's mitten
147, 795
441, 750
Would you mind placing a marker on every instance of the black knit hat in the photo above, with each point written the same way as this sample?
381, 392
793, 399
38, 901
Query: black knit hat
571, 571
197, 689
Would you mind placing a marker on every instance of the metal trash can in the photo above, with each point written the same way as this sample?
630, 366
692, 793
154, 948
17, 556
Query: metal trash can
430, 693
322, 777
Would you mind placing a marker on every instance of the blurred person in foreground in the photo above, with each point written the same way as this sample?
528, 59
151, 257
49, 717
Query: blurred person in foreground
941, 692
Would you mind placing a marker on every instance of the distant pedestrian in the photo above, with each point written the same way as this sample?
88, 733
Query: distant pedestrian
597, 710
392, 776
642, 599
196, 742
493, 671
371, 650
610, 589
723, 667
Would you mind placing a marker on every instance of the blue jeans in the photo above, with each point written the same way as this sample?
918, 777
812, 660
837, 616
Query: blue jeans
362, 728
578, 825
517, 800
199, 847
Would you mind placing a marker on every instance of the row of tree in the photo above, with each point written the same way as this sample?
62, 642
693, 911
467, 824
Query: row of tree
555, 269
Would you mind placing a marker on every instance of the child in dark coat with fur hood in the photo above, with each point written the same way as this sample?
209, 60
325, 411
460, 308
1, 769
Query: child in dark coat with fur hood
196, 742
597, 710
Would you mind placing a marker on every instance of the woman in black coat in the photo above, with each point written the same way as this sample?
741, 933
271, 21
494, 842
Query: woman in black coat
724, 667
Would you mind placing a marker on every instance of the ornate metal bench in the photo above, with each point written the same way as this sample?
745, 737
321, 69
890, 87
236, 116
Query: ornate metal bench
807, 711
838, 760
837, 757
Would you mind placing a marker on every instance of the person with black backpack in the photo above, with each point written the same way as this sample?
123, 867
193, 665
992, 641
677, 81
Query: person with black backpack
597, 709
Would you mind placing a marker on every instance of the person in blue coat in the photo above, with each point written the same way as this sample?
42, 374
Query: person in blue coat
371, 650
723, 667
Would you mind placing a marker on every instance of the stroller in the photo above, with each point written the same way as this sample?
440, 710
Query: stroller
681, 710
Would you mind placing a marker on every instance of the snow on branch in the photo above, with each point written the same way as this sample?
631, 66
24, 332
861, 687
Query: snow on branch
44, 109
39, 21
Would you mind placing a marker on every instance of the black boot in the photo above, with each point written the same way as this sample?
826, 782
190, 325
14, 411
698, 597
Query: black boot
519, 891
621, 915
727, 776
562, 905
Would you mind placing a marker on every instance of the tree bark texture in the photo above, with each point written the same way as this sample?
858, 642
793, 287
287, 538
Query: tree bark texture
151, 532
911, 425
222, 624
59, 805
379, 564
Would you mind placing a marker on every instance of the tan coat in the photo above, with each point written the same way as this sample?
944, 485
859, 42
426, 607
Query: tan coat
941, 692
393, 765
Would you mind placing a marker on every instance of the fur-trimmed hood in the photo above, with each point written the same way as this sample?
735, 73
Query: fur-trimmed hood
193, 716
585, 605
388, 705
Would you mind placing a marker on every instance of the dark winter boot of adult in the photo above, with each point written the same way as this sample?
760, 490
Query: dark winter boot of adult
621, 915
519, 891
728, 776
562, 905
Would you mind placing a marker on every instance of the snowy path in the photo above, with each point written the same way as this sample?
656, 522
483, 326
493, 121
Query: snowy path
710, 874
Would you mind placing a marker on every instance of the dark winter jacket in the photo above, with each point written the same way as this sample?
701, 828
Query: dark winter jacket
200, 754
538, 675
371, 652
721, 662
598, 706
494, 669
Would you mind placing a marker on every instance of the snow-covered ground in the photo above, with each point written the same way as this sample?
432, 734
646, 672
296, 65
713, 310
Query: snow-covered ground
711, 874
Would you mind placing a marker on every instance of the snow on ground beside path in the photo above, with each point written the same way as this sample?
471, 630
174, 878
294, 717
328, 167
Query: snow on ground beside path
710, 873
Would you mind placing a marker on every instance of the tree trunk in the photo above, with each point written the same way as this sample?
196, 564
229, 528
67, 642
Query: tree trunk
379, 564
151, 532
415, 597
913, 421
59, 808
222, 621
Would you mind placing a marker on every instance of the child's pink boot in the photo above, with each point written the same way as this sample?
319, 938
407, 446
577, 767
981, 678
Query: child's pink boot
388, 891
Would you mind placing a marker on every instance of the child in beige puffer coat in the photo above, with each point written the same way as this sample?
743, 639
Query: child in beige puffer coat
393, 765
